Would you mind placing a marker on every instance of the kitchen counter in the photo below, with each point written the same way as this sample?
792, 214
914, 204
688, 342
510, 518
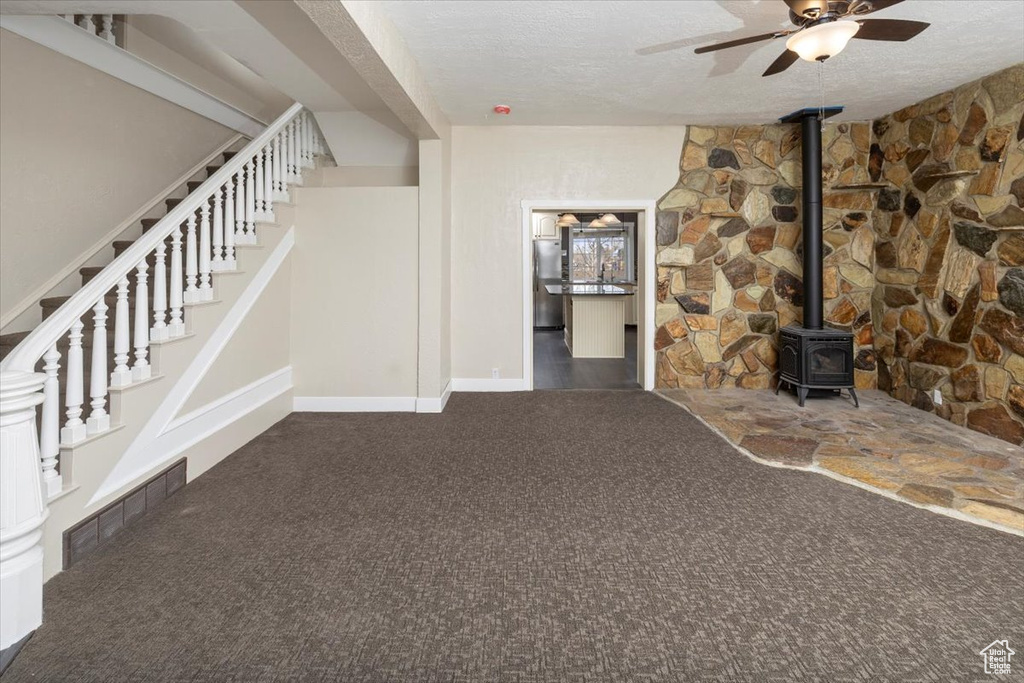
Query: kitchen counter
588, 290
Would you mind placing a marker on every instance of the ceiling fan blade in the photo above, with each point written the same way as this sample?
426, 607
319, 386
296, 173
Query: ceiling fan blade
785, 60
741, 41
896, 30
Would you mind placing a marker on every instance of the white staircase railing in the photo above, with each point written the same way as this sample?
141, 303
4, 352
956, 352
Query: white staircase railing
219, 214
101, 25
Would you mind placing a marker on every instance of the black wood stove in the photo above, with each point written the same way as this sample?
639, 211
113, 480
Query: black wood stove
814, 359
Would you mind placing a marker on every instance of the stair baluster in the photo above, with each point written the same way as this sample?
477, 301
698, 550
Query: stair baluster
122, 375
297, 153
229, 226
191, 262
240, 206
141, 369
176, 328
280, 168
49, 424
259, 210
268, 184
307, 141
218, 231
250, 203
291, 152
74, 429
87, 23
107, 32
205, 286
160, 330
99, 420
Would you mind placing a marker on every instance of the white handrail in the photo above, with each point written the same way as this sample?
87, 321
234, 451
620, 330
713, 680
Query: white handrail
25, 356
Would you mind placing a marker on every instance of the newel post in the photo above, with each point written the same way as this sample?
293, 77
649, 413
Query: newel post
22, 507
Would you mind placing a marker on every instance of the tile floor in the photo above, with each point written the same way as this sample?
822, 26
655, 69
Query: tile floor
885, 445
555, 368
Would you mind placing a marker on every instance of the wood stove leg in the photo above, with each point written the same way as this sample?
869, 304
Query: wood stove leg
853, 393
801, 394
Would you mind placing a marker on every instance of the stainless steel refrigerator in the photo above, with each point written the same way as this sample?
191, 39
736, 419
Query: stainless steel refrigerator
547, 270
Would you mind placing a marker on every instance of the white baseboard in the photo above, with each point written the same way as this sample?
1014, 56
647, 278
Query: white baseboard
476, 384
354, 404
435, 405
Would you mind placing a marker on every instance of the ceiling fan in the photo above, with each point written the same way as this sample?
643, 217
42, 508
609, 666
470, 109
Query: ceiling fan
824, 27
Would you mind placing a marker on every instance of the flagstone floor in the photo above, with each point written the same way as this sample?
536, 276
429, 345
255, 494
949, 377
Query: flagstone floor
885, 445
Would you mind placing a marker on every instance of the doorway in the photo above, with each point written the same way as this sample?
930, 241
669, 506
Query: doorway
588, 270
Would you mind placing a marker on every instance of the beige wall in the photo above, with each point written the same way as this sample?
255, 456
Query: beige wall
164, 43
354, 292
252, 353
81, 151
362, 176
493, 170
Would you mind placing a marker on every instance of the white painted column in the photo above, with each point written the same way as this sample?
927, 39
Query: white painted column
160, 330
74, 429
176, 327
141, 369
218, 231
205, 284
24, 508
99, 420
49, 424
191, 261
122, 374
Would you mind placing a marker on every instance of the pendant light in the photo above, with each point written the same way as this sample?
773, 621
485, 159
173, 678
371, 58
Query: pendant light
567, 219
610, 219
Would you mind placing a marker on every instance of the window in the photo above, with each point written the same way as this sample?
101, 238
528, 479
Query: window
596, 251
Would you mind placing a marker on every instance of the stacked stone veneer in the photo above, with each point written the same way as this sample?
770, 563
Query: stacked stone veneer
729, 253
949, 304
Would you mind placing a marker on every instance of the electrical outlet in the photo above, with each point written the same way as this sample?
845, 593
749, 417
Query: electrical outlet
937, 397
495, 374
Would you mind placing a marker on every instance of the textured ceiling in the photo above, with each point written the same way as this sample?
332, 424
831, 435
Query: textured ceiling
576, 63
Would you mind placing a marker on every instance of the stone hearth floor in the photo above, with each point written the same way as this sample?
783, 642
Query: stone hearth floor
885, 445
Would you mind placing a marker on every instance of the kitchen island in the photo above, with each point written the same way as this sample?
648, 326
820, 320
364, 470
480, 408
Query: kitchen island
594, 319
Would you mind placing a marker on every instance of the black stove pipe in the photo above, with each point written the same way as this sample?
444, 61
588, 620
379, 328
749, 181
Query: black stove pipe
810, 126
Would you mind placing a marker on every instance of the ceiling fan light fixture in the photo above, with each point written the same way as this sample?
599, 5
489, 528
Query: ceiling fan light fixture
822, 41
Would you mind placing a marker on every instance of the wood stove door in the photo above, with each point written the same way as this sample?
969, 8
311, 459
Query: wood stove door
828, 364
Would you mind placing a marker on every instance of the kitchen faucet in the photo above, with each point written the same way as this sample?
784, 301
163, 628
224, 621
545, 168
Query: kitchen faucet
600, 278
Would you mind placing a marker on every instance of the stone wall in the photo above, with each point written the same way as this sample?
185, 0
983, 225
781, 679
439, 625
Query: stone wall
949, 304
729, 253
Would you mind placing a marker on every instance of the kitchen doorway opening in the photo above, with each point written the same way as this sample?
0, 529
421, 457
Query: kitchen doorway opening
588, 294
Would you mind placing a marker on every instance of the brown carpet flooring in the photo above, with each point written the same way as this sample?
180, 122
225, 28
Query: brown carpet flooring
553, 536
